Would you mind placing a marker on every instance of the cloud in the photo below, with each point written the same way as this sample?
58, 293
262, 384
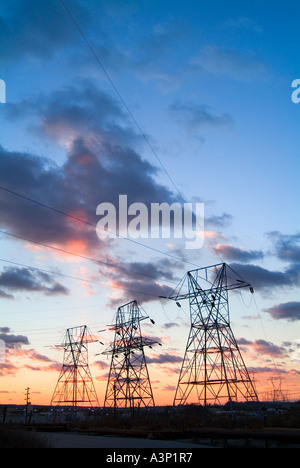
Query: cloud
171, 325
12, 341
219, 221
164, 359
7, 368
240, 65
155, 270
238, 254
51, 367
103, 160
198, 116
34, 355
263, 279
142, 281
34, 29
14, 350
5, 295
15, 279
267, 370
263, 347
289, 311
155, 54
286, 246
102, 364
243, 23
140, 290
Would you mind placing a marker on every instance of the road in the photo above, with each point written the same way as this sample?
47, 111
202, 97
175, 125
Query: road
74, 440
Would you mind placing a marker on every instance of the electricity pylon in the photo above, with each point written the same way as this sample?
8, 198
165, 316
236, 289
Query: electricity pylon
128, 383
277, 393
213, 370
75, 384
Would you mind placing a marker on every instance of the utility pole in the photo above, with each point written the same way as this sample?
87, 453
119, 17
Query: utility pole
129, 384
213, 370
28, 404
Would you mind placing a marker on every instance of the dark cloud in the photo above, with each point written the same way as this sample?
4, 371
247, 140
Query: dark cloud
148, 55
235, 253
164, 359
83, 110
262, 347
15, 279
143, 281
286, 246
41, 180
267, 370
37, 356
41, 32
5, 295
35, 29
289, 311
171, 325
162, 270
102, 162
141, 290
268, 348
12, 341
263, 279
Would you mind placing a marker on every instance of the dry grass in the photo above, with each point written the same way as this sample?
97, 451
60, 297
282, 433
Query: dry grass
17, 438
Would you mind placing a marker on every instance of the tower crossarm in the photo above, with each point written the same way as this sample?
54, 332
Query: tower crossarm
124, 347
209, 280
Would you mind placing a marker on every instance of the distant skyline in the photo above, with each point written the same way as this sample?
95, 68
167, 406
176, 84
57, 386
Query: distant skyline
163, 102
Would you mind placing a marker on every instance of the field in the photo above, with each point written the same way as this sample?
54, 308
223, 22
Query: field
276, 426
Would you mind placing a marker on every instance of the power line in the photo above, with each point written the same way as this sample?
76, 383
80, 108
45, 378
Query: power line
82, 256
121, 98
75, 218
128, 109
77, 278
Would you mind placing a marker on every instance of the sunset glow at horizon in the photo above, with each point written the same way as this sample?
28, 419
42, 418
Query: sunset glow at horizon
174, 102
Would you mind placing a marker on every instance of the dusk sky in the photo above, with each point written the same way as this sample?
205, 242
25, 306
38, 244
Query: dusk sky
164, 102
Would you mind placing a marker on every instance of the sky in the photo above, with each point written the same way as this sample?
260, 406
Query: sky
163, 102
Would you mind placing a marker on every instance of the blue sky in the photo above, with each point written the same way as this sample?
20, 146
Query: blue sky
210, 88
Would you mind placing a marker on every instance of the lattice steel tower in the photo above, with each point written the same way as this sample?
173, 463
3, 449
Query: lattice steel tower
75, 384
129, 384
213, 370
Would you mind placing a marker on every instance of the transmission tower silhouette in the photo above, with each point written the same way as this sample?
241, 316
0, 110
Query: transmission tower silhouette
75, 384
277, 393
128, 383
213, 370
